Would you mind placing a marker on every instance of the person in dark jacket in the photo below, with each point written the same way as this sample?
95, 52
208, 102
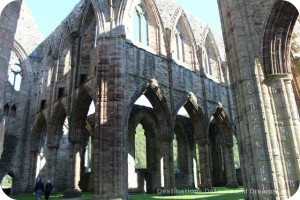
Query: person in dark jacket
38, 189
48, 189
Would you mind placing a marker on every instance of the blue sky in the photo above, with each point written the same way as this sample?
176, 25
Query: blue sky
49, 13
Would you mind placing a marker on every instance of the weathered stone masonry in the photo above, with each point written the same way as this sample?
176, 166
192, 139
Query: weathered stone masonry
95, 57
257, 39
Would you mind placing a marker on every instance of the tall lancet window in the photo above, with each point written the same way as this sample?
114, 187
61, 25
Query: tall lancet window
140, 26
205, 62
15, 72
178, 46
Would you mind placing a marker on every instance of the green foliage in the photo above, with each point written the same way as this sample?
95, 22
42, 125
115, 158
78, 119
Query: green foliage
7, 181
175, 154
236, 156
141, 158
140, 148
85, 196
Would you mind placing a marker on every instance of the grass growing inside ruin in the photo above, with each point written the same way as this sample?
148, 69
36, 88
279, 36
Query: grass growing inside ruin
220, 193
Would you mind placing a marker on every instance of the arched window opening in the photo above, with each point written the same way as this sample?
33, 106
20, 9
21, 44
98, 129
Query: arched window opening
205, 62
96, 35
182, 111
6, 184
88, 156
91, 108
236, 156
15, 72
175, 153
179, 46
143, 101
140, 148
67, 62
140, 24
66, 127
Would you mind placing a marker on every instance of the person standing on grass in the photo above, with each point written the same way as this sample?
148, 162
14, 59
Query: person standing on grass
48, 189
38, 189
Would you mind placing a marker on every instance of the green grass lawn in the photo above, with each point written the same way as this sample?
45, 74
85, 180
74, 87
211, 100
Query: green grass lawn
220, 194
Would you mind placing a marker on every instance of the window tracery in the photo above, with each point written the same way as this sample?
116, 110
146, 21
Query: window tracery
15, 71
140, 24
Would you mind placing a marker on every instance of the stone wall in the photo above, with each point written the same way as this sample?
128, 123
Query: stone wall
76, 64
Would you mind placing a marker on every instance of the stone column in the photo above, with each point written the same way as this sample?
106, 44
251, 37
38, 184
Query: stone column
243, 50
33, 169
8, 23
110, 139
73, 189
153, 165
229, 166
52, 163
205, 179
168, 162
190, 165
294, 119
285, 138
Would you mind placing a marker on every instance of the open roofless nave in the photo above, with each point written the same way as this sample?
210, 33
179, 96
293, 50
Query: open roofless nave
108, 54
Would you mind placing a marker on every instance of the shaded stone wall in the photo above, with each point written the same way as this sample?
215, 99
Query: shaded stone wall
8, 24
76, 65
267, 116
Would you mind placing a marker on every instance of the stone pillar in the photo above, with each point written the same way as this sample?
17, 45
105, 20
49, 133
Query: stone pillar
294, 119
168, 162
73, 189
205, 179
263, 104
153, 165
33, 169
285, 137
229, 166
52, 163
110, 139
190, 165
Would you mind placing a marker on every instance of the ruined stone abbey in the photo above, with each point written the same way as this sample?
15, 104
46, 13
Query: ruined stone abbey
109, 54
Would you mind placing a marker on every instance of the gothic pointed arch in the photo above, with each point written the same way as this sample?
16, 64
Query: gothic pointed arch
142, 24
78, 115
101, 14
61, 60
182, 42
143, 148
143, 115
196, 114
223, 125
211, 59
156, 97
89, 32
277, 38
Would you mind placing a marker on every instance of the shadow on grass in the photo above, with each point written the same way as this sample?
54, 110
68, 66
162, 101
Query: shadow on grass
217, 194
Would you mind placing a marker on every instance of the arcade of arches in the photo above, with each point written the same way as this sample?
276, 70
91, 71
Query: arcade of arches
71, 111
